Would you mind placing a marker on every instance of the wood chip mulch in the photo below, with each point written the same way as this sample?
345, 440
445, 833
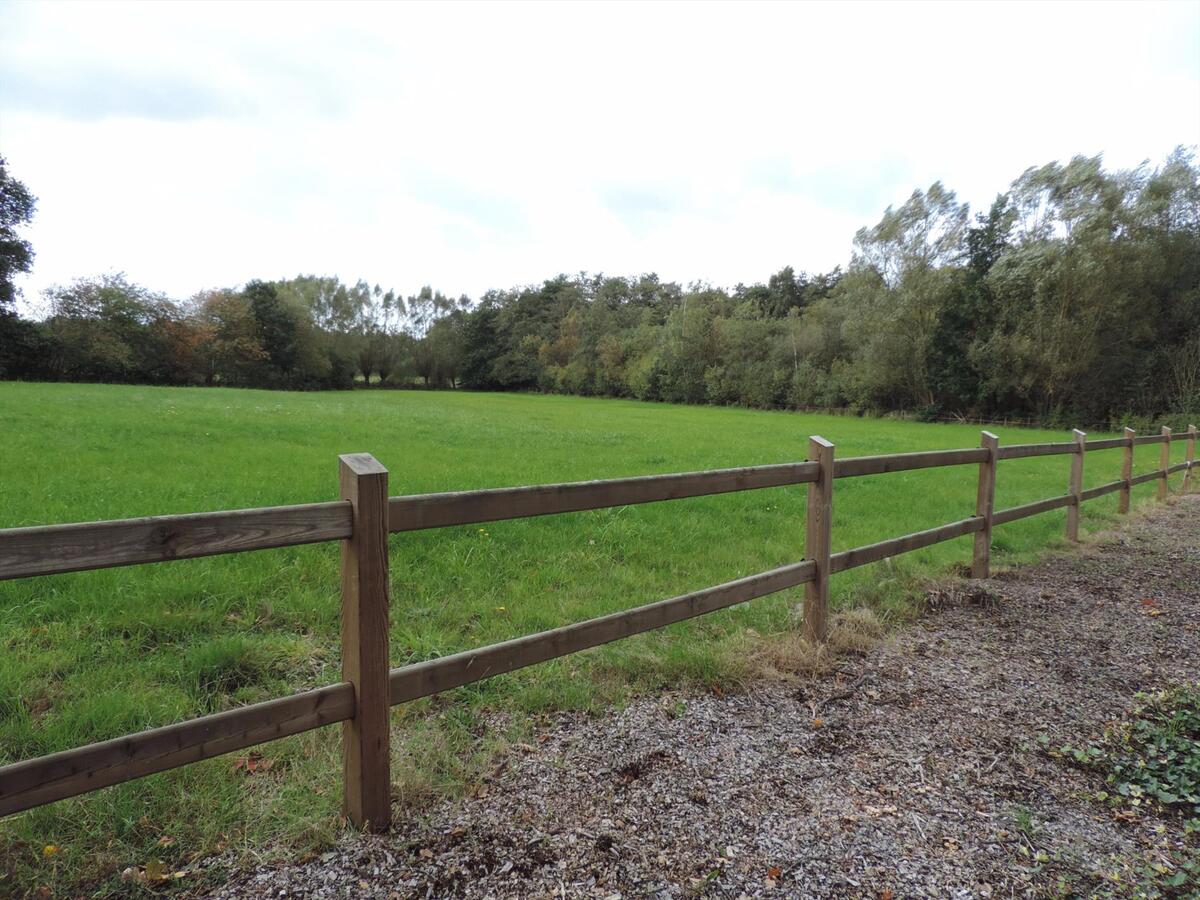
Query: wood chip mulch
914, 771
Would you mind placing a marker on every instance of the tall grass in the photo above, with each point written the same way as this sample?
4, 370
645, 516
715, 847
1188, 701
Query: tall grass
94, 655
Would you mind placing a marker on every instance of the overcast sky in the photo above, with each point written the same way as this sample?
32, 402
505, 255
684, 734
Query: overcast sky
469, 147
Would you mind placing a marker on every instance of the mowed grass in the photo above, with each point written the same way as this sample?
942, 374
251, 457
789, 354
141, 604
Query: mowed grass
97, 655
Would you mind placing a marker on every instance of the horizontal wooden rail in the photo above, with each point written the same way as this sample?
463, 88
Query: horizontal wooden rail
363, 530
420, 511
1106, 443
1022, 451
1101, 490
53, 549
436, 675
861, 556
854, 466
1014, 513
33, 782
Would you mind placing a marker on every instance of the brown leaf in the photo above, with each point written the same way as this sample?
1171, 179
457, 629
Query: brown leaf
252, 764
886, 894
774, 872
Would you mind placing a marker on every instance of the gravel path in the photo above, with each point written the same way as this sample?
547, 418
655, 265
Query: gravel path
914, 771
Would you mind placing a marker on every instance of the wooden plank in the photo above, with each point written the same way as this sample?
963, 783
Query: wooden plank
53, 549
1075, 485
1022, 451
1126, 470
1143, 479
900, 462
1013, 513
35, 782
436, 675
1178, 467
419, 511
861, 556
1107, 444
1190, 457
818, 539
365, 664
1147, 439
1164, 463
1093, 493
985, 502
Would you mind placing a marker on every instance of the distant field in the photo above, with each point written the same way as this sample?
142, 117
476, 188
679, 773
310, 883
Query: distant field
100, 654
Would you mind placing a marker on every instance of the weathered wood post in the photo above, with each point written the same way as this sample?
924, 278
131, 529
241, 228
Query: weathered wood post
1191, 458
1164, 462
1126, 471
817, 539
365, 737
1076, 487
985, 501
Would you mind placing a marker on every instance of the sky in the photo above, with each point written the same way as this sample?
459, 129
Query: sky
479, 146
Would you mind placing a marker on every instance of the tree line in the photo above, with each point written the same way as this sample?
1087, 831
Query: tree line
1074, 297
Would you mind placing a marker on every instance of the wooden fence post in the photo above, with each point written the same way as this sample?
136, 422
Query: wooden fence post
1164, 462
1191, 458
817, 539
1126, 471
1076, 487
985, 501
365, 662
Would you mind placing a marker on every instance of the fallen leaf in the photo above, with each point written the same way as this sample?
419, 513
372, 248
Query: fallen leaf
774, 872
818, 723
51, 850
886, 894
252, 764
426, 853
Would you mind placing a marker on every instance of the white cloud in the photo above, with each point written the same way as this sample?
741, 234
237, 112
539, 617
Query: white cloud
487, 145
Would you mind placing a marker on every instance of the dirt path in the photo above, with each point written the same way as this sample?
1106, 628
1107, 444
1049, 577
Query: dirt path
923, 777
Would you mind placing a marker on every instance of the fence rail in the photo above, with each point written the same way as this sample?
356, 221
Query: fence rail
364, 517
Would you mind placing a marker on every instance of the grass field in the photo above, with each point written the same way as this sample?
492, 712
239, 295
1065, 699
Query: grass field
96, 655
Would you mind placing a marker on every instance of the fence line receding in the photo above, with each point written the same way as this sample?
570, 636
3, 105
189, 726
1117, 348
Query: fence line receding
362, 520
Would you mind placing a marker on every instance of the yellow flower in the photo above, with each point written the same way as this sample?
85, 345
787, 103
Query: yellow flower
51, 850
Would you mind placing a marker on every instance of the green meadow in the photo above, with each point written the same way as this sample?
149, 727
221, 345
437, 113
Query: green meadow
96, 655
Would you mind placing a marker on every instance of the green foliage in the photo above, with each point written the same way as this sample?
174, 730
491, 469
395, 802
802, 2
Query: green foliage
1154, 757
1074, 300
1149, 760
16, 254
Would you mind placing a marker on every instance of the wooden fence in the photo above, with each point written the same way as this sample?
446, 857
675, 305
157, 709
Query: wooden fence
362, 520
